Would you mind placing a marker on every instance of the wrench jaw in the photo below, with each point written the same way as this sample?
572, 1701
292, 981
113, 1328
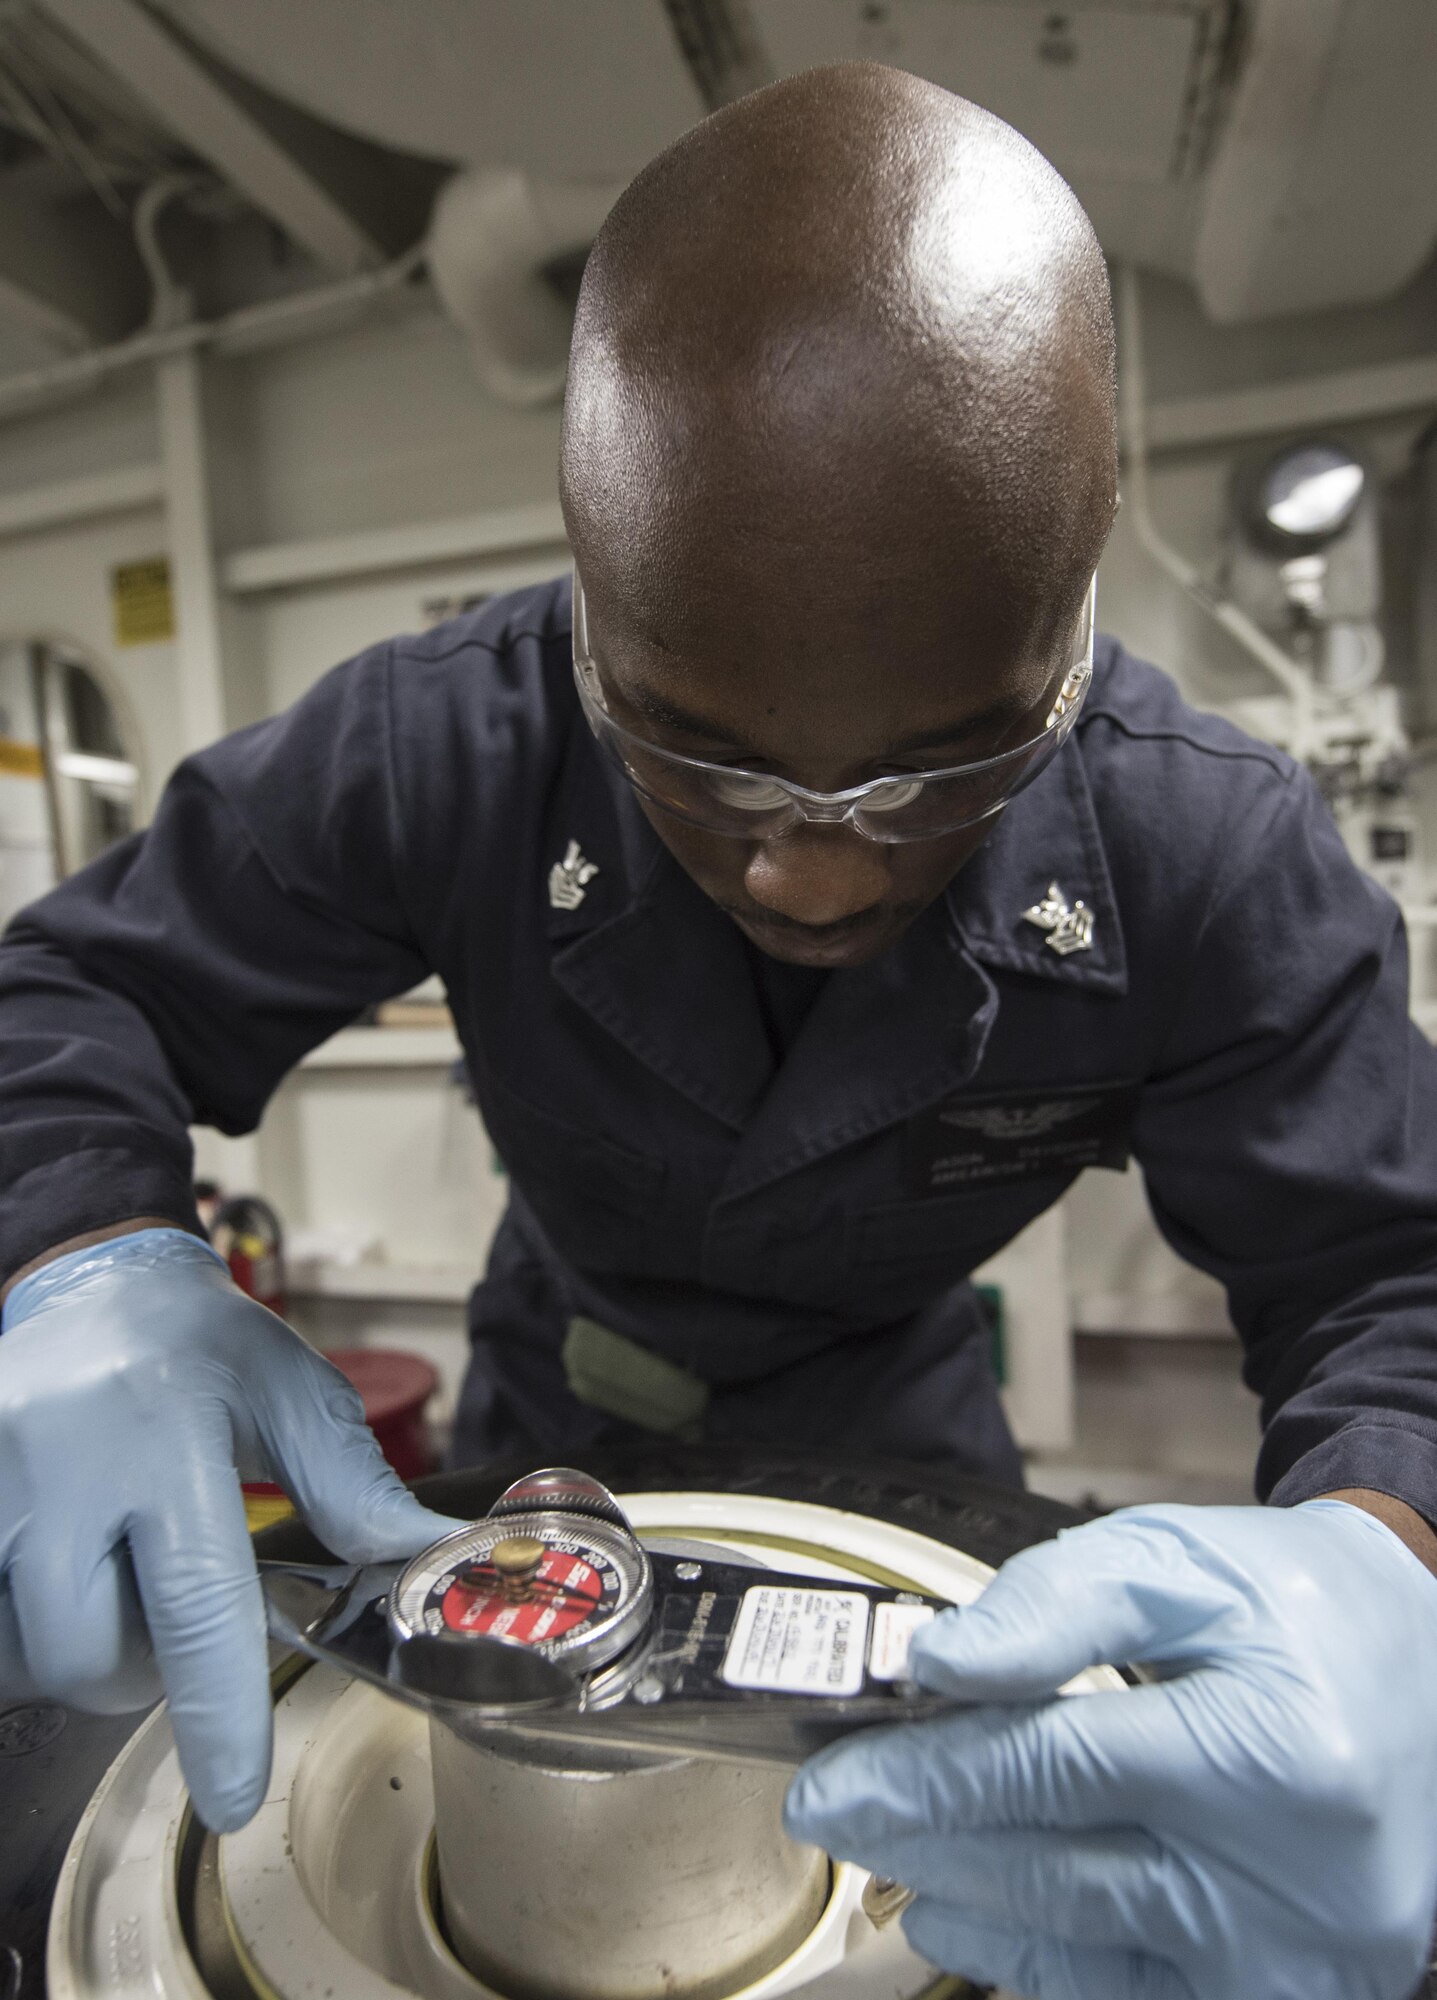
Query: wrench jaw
485, 1673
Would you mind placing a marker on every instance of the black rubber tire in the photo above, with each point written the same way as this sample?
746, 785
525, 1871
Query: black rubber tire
43, 1791
985, 1520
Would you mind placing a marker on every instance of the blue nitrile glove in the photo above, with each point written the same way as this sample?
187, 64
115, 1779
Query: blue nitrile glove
1262, 1825
136, 1379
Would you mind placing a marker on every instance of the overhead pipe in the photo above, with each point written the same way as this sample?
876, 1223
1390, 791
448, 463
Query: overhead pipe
171, 303
1132, 391
250, 328
492, 236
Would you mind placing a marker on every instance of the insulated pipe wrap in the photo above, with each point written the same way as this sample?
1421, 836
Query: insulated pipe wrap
492, 236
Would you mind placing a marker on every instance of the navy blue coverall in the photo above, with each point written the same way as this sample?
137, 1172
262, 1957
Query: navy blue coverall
795, 1229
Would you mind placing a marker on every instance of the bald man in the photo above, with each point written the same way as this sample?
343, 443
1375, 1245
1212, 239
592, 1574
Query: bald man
815, 900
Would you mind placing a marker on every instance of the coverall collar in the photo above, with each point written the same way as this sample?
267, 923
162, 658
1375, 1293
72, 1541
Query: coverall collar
1048, 836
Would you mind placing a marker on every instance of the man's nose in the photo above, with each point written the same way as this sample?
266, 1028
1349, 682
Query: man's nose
818, 875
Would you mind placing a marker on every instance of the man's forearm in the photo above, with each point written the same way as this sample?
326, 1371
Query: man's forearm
85, 1242
1408, 1525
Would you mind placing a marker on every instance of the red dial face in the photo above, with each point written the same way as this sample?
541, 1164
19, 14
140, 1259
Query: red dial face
577, 1587
565, 1591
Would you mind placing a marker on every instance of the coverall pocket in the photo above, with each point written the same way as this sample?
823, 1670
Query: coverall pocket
947, 1238
593, 1196
912, 1232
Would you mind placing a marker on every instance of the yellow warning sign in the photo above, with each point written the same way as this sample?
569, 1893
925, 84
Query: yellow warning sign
143, 605
262, 1510
20, 760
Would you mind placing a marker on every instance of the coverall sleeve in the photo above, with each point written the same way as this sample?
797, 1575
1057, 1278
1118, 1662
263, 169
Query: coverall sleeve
176, 979
1289, 1140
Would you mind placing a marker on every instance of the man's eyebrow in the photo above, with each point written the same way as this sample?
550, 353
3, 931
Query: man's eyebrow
998, 713
656, 707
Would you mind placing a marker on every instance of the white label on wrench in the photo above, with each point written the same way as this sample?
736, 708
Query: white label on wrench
893, 1629
787, 1640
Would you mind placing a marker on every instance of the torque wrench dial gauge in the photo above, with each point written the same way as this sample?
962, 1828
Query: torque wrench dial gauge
572, 1580
550, 1622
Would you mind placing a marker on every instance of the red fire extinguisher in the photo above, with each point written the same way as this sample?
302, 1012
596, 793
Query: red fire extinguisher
247, 1233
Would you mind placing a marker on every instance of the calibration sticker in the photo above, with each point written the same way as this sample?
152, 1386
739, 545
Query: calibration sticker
893, 1629
788, 1640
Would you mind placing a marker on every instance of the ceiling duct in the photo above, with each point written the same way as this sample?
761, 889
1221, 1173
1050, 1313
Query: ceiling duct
565, 91
1323, 191
1280, 155
504, 250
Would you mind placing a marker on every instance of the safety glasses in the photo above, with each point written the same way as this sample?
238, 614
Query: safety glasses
757, 805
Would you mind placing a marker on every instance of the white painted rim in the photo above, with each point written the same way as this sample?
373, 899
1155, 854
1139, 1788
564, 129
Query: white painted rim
115, 1928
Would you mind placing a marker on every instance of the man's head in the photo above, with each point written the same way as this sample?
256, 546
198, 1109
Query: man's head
839, 461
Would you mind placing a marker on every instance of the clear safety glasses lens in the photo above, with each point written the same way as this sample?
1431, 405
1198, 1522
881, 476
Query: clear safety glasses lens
756, 805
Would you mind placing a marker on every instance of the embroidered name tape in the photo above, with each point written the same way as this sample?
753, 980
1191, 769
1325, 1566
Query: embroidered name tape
974, 1141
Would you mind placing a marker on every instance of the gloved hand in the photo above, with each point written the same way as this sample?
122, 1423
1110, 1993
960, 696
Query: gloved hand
1262, 1825
135, 1378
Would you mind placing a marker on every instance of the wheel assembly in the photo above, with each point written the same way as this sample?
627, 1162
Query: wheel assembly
559, 1773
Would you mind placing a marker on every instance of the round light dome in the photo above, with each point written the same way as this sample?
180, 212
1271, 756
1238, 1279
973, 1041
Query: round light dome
1309, 493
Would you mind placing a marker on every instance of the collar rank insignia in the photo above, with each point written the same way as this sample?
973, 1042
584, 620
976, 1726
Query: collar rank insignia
568, 879
1069, 926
